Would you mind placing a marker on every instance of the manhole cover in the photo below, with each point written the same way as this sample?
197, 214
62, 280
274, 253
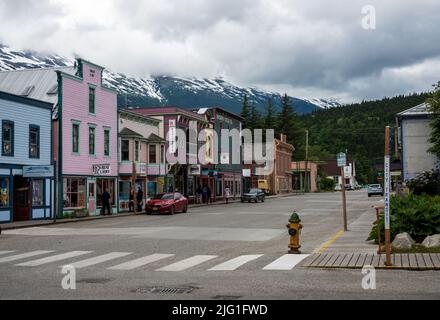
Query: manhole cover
94, 280
165, 290
226, 297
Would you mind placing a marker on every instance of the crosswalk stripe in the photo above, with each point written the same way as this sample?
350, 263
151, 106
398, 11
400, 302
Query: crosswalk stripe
6, 252
24, 255
187, 263
59, 257
235, 263
137, 263
99, 259
286, 262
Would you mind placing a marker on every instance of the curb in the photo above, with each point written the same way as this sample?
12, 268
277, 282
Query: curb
119, 215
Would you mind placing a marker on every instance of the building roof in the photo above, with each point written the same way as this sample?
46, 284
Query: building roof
155, 138
24, 100
37, 84
203, 111
166, 110
129, 133
421, 110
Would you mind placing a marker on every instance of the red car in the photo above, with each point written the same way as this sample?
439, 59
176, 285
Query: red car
167, 203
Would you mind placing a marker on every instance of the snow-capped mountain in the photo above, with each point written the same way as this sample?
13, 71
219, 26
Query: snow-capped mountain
325, 103
164, 90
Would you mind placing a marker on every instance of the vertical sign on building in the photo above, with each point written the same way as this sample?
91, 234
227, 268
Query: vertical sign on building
172, 130
387, 181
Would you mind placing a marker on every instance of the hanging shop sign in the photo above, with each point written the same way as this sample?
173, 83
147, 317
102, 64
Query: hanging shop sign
101, 169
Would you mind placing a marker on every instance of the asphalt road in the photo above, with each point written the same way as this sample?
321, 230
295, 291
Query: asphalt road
224, 251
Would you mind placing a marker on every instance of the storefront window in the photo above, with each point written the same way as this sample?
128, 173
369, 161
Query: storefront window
103, 185
4, 192
74, 192
38, 193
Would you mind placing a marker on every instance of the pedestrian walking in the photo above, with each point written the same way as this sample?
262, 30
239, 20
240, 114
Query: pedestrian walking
209, 194
131, 201
227, 194
106, 199
199, 192
140, 199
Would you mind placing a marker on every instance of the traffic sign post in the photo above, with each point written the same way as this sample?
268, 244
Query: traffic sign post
387, 179
342, 162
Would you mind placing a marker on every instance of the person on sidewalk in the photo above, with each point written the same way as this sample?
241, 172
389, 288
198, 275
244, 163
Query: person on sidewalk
131, 201
106, 203
199, 192
209, 195
227, 194
140, 199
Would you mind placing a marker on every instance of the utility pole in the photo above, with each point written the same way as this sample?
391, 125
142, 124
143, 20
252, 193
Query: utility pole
342, 162
133, 179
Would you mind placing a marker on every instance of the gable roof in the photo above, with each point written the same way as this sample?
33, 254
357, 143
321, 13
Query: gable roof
37, 84
155, 138
130, 133
421, 110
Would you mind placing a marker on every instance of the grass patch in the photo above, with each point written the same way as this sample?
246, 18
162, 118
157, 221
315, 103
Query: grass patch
415, 249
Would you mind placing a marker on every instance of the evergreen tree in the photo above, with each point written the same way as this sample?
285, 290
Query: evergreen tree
246, 113
434, 107
255, 118
270, 121
289, 124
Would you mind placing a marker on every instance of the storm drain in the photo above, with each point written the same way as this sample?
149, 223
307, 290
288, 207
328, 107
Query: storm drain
166, 290
226, 297
95, 280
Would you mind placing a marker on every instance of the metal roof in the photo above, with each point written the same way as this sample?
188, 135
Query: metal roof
419, 110
38, 84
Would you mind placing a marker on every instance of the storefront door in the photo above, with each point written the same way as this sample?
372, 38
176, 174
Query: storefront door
91, 192
21, 199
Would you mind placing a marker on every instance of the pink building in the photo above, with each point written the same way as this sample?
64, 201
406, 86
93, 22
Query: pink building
88, 165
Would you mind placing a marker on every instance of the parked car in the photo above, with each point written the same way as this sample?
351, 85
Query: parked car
254, 195
375, 189
338, 187
167, 203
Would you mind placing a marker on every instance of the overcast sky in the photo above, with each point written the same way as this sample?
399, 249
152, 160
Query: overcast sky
307, 48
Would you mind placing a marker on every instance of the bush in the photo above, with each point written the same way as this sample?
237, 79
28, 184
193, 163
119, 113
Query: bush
427, 182
327, 184
419, 215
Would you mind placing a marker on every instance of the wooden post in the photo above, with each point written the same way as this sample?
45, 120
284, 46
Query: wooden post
344, 200
387, 197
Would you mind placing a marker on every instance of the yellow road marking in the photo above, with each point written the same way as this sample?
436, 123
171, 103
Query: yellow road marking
328, 243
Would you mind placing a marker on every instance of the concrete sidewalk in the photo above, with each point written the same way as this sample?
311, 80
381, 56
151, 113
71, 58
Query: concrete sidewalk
40, 223
351, 250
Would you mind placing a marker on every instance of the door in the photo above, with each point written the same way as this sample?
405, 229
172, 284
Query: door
21, 206
91, 191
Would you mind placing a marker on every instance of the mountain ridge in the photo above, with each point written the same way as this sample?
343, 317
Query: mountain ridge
165, 90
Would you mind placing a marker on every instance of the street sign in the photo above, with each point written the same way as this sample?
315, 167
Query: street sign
342, 159
387, 192
38, 171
